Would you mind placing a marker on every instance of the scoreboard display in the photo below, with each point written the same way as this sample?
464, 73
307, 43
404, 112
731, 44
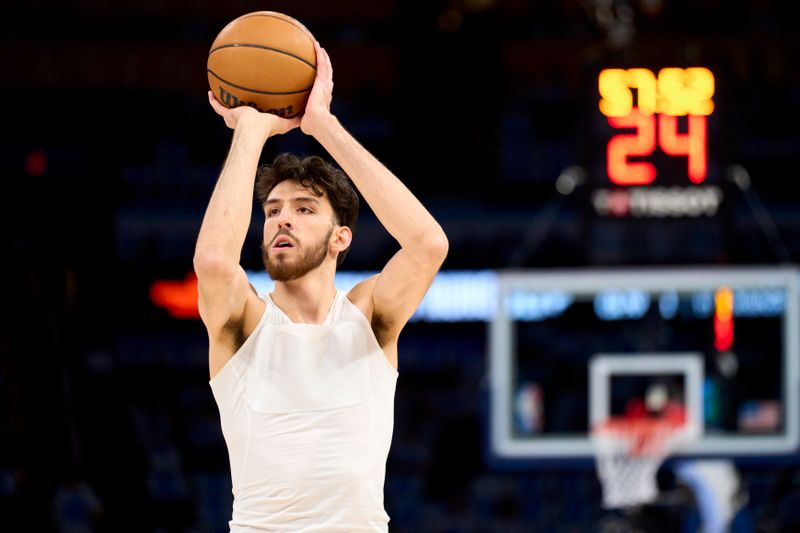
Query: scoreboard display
655, 139
661, 100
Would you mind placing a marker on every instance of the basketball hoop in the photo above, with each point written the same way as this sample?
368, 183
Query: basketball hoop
629, 452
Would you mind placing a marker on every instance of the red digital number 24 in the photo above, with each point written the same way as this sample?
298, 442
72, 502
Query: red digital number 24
691, 144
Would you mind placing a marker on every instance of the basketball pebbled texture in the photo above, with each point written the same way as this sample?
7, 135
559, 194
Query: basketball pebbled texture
265, 60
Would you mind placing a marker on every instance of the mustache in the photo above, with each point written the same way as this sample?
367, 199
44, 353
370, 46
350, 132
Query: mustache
282, 231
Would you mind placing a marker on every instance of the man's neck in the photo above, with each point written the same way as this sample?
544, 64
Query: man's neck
306, 300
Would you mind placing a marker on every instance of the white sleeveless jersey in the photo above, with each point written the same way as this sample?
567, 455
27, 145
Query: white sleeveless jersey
307, 415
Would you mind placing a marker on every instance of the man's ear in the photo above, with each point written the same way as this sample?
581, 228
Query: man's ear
341, 238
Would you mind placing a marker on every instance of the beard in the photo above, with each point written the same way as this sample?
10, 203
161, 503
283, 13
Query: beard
282, 268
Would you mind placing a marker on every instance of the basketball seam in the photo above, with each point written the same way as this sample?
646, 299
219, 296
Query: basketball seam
254, 90
245, 45
299, 26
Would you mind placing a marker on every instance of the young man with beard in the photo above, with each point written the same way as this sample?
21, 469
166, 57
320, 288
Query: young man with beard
304, 379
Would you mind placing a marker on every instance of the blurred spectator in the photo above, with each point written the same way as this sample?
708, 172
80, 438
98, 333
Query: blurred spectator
76, 507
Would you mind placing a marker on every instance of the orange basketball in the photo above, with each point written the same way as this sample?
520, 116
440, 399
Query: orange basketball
264, 60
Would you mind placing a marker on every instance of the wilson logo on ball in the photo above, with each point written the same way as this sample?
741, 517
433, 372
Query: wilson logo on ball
231, 100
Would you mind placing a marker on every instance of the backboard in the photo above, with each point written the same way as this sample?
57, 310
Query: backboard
725, 339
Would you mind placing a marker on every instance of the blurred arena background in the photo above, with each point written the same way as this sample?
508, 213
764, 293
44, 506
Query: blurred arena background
489, 111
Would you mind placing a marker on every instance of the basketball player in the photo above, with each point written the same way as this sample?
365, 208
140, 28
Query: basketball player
305, 378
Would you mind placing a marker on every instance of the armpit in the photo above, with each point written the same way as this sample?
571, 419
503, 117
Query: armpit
381, 328
233, 333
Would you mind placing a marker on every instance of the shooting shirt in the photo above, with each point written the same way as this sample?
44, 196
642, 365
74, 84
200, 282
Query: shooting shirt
307, 414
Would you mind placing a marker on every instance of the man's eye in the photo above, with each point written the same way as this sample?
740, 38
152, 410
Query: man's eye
304, 210
272, 212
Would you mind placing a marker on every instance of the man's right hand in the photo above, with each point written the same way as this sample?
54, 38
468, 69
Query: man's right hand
271, 124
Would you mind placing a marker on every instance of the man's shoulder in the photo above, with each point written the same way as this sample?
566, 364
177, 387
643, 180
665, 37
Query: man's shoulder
361, 295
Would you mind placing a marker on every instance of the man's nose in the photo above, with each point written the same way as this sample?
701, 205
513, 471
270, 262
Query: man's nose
285, 220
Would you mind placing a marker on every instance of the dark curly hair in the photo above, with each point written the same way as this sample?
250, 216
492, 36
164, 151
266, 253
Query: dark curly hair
320, 177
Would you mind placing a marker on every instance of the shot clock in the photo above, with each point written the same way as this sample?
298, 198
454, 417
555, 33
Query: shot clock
656, 119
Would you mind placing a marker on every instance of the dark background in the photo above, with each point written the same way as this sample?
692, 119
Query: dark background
109, 153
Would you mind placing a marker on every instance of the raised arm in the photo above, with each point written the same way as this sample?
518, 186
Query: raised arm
223, 285
401, 285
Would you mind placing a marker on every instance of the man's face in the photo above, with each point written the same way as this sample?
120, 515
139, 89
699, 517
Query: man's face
297, 231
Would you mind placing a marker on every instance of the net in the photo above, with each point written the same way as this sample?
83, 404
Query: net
629, 452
